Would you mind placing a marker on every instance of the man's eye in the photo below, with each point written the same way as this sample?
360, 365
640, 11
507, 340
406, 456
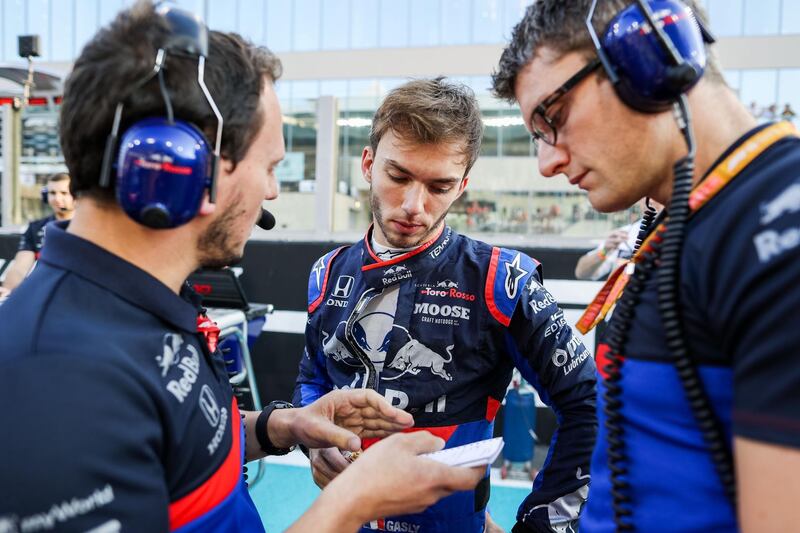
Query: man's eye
557, 116
441, 190
397, 179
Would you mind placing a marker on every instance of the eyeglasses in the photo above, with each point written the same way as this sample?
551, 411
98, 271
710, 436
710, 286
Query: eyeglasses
544, 127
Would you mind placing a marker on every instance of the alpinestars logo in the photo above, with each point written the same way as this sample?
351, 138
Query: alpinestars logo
318, 269
514, 273
394, 274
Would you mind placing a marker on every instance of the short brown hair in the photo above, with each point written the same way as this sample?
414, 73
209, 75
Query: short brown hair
123, 53
431, 111
561, 25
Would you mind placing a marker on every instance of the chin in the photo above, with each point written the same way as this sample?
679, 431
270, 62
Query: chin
606, 203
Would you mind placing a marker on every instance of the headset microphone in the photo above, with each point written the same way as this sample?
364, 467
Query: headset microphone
266, 220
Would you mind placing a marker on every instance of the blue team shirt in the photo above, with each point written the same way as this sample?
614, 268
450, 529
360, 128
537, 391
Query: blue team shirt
740, 273
116, 414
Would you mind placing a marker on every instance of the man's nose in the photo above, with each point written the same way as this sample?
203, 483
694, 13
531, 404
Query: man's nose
414, 199
553, 160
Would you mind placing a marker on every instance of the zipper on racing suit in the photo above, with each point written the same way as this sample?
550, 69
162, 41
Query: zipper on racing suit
370, 379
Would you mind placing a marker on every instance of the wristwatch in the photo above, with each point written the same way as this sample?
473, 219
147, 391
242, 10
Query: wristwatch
261, 428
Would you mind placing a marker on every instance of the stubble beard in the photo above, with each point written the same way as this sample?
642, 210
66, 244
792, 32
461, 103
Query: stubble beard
377, 216
217, 247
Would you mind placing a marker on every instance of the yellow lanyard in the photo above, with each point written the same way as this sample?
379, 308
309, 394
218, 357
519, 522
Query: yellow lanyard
721, 176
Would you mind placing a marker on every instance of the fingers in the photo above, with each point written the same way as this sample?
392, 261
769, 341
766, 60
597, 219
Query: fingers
341, 438
418, 442
374, 406
326, 464
460, 478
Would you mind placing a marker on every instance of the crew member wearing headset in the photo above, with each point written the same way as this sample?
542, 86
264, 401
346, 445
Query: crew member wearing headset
118, 411
699, 404
60, 200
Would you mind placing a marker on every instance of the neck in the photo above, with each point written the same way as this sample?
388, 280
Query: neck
167, 255
718, 120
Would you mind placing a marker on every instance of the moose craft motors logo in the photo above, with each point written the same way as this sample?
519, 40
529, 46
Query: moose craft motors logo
394, 274
446, 315
446, 289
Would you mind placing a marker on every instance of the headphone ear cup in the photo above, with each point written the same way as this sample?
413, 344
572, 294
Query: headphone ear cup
648, 79
162, 172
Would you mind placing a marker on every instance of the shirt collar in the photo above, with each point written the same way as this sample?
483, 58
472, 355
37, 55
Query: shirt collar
97, 265
380, 274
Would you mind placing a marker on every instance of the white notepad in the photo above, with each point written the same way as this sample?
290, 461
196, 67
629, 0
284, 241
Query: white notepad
483, 452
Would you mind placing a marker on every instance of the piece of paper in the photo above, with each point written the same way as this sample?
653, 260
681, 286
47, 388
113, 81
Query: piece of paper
483, 452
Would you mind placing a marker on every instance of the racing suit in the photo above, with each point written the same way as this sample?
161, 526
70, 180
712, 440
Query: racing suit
452, 319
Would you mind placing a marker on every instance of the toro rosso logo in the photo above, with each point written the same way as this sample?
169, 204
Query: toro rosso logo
446, 289
414, 356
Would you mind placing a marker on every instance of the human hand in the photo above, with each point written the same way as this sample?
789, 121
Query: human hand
492, 526
340, 419
614, 239
326, 464
390, 478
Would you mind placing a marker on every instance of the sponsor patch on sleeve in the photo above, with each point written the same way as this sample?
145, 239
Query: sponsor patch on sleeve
318, 279
509, 271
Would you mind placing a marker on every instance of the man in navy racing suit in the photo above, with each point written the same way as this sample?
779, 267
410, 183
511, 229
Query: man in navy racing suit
708, 440
436, 322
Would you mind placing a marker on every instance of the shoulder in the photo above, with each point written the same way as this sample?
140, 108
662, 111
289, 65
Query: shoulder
508, 274
746, 240
319, 275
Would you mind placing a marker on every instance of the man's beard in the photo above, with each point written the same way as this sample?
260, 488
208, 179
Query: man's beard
377, 215
216, 246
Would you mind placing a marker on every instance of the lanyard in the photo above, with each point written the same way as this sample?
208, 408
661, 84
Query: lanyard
721, 176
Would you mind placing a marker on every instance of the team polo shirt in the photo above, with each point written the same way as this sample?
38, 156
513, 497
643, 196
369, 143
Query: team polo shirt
115, 413
33, 238
740, 292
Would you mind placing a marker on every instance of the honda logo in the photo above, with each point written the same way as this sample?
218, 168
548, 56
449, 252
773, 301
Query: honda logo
344, 286
208, 406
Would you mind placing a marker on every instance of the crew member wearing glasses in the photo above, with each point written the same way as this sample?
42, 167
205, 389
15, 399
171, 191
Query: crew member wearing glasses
699, 405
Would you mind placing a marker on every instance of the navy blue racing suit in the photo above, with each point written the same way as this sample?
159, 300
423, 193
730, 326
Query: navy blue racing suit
455, 316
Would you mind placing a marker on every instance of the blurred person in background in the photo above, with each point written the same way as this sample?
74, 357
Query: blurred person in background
62, 203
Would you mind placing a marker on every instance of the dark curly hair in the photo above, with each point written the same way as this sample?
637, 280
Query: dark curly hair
122, 54
561, 25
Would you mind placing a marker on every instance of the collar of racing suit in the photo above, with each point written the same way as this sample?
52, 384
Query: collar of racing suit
379, 274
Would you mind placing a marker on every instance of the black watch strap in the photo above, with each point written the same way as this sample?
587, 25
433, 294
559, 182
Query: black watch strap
261, 428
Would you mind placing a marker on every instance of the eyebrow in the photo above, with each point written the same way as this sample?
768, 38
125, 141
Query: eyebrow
401, 168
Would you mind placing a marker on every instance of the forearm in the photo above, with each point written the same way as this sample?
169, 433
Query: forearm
16, 273
588, 264
278, 430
